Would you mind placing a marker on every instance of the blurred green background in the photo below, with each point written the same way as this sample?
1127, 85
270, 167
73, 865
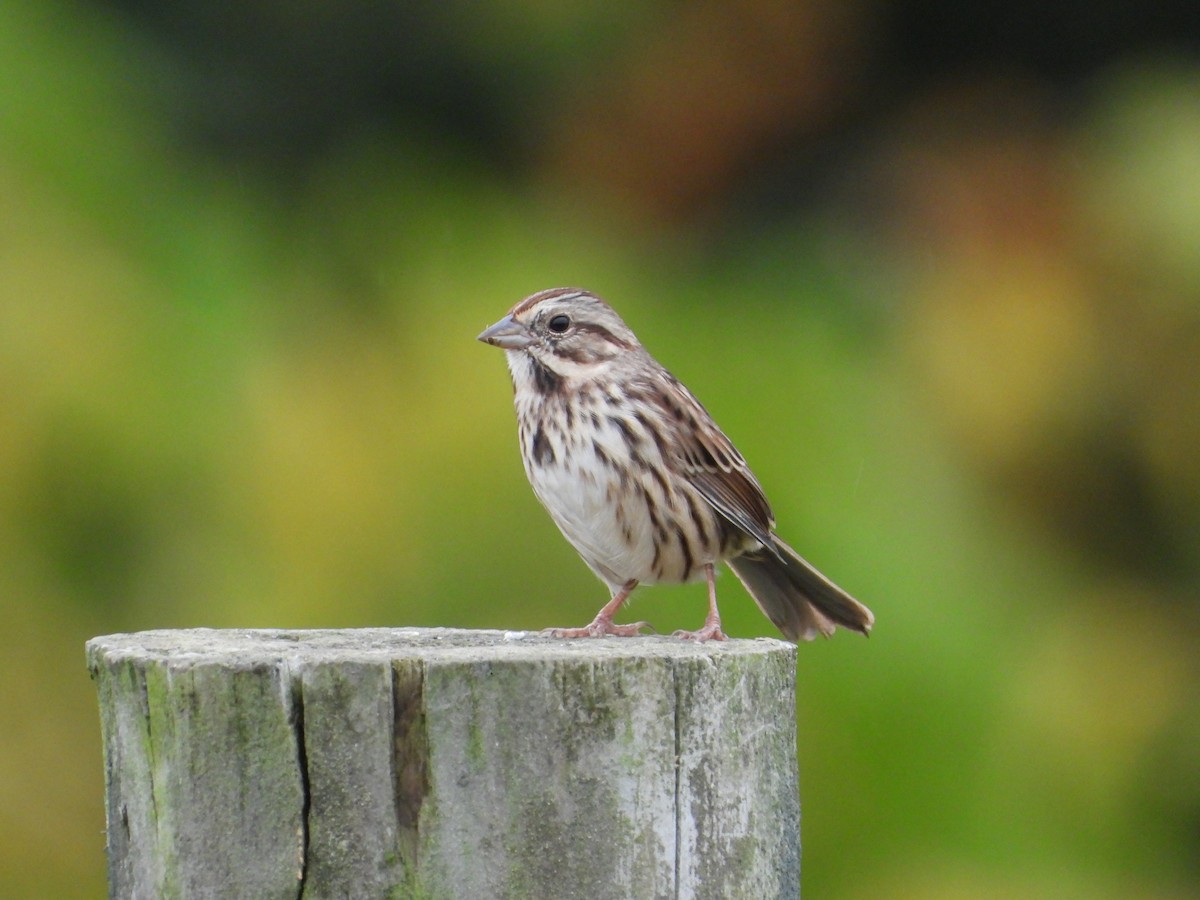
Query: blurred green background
934, 266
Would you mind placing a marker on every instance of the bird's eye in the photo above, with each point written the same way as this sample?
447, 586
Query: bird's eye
559, 323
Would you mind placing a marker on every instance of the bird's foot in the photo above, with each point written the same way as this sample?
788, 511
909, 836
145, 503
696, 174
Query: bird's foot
600, 627
710, 632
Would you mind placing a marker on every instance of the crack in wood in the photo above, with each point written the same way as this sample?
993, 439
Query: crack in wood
410, 749
297, 723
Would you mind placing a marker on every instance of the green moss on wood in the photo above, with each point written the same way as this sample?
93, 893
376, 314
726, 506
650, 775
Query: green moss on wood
486, 768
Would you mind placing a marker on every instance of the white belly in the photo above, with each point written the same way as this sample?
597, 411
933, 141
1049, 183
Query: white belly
612, 526
617, 548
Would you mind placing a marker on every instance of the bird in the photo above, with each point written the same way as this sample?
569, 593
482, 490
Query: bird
639, 478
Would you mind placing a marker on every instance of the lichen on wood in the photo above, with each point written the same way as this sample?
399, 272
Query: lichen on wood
430, 763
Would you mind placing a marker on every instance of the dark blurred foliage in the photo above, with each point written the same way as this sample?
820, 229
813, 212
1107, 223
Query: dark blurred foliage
935, 267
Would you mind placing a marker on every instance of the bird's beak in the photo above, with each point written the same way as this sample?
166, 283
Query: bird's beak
507, 334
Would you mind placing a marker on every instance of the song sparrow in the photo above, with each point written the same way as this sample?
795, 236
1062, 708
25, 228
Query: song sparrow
639, 478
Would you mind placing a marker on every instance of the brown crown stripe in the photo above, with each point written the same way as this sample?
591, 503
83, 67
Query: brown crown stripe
548, 294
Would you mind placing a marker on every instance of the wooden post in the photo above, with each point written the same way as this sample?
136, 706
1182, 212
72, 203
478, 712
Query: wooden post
437, 763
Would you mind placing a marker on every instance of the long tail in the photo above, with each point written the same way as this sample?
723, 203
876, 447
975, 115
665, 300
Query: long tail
796, 597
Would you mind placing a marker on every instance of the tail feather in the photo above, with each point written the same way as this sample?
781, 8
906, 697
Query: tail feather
796, 597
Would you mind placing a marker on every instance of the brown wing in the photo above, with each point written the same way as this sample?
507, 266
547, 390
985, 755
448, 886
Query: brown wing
710, 462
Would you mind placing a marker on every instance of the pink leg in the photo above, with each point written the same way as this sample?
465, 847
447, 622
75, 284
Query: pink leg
603, 624
712, 622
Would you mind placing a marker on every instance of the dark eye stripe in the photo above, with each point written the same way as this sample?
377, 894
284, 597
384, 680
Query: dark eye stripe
604, 334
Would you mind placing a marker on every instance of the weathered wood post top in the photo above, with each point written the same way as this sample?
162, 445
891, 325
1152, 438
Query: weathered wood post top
446, 763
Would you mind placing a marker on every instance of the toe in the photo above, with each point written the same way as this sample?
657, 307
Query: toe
567, 632
707, 633
600, 629
632, 630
